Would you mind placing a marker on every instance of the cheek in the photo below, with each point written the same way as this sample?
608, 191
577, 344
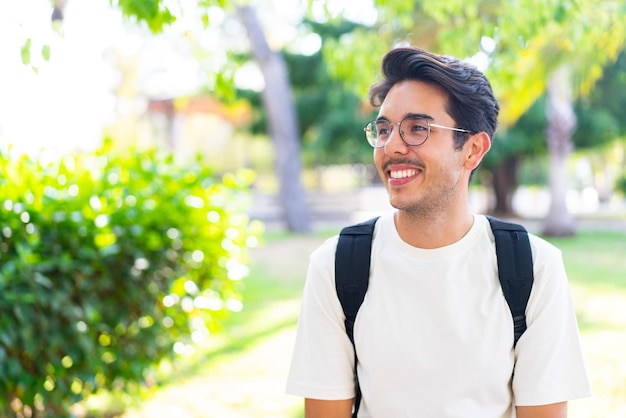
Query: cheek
378, 155
453, 165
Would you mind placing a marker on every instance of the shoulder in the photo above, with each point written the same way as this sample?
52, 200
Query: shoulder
548, 266
324, 256
543, 250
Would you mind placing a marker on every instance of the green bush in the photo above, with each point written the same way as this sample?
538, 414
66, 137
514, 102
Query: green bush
109, 263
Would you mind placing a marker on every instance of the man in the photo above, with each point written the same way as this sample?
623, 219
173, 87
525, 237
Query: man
434, 335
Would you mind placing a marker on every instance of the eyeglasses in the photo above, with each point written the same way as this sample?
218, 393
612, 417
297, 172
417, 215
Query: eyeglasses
414, 131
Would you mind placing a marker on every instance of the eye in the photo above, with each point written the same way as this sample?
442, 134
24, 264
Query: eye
415, 125
383, 128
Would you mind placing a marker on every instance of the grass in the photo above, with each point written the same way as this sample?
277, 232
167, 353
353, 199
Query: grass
596, 268
242, 372
595, 260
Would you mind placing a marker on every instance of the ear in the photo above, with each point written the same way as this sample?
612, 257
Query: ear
475, 149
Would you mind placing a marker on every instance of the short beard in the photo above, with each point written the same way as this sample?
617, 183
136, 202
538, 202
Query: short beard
430, 206
425, 208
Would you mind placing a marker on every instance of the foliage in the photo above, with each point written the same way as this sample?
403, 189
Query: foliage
598, 114
601, 113
152, 12
523, 42
110, 262
524, 138
620, 185
331, 116
585, 36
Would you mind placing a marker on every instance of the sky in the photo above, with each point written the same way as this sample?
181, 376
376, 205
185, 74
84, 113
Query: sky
65, 103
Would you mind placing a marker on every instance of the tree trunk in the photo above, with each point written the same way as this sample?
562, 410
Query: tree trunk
561, 125
504, 186
282, 120
58, 11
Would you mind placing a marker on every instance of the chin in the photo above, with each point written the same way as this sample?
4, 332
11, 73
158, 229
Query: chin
402, 204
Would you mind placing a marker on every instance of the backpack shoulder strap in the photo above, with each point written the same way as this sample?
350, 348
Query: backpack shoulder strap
352, 271
352, 267
515, 269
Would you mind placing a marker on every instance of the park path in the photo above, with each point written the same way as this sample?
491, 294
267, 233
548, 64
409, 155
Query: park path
248, 383
340, 208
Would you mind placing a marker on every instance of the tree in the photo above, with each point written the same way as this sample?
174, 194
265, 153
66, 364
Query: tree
561, 125
570, 52
331, 115
282, 121
600, 118
526, 44
510, 147
599, 122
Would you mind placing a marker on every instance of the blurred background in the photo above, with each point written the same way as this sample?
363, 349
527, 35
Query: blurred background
167, 167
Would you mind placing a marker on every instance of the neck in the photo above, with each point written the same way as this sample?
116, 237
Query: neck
433, 230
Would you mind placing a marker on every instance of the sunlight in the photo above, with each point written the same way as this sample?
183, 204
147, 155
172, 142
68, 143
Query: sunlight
63, 103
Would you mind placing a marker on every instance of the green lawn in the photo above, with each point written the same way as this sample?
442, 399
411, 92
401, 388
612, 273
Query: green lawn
242, 372
596, 264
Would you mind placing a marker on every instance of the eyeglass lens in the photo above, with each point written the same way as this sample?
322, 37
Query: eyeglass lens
414, 131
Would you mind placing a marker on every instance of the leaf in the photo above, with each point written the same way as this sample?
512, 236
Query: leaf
43, 281
225, 87
205, 20
45, 52
26, 52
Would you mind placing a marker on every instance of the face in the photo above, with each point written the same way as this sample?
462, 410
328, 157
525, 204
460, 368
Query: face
427, 178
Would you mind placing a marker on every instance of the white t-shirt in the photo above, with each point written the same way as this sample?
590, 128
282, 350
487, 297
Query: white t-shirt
434, 335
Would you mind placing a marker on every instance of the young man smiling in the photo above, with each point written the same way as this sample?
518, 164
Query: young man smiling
433, 336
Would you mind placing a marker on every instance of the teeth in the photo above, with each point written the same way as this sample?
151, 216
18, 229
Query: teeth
400, 174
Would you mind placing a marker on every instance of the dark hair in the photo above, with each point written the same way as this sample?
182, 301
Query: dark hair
471, 102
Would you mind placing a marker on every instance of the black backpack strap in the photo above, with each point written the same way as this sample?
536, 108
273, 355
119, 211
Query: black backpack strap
515, 269
352, 265
352, 270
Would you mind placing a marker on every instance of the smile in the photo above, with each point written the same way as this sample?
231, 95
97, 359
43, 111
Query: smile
402, 174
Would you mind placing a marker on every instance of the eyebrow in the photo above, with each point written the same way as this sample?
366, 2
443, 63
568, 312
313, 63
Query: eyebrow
409, 115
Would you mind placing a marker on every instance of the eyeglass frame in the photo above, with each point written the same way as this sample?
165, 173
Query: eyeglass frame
391, 124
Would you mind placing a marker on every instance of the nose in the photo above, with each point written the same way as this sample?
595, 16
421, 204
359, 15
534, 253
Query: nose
395, 144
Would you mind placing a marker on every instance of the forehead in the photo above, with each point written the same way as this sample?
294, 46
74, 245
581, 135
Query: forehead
410, 96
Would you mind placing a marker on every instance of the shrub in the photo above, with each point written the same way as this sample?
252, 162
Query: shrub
109, 263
